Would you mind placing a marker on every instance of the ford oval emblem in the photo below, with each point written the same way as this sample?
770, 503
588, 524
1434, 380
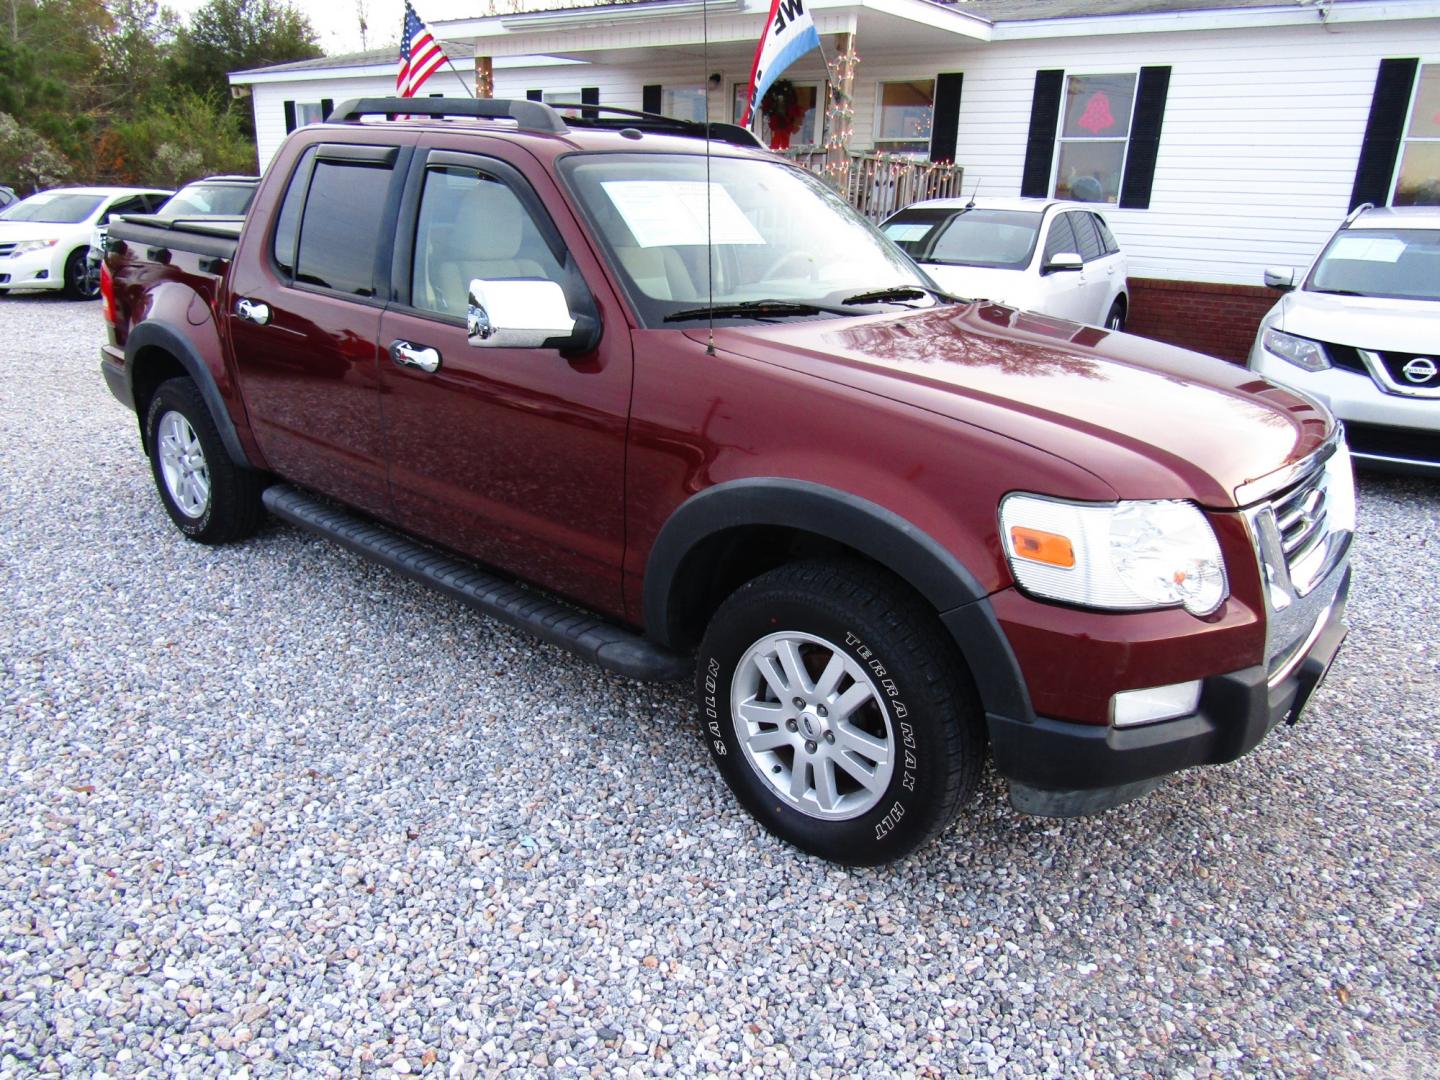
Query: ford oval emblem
1420, 370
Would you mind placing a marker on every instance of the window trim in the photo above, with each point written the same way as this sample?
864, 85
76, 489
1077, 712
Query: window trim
1061, 138
1405, 137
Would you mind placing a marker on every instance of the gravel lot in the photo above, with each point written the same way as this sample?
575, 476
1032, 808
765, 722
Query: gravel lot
270, 809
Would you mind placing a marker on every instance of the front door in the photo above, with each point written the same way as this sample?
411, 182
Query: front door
1064, 292
515, 456
304, 319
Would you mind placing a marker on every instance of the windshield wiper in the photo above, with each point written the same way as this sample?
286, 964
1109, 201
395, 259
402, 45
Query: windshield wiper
755, 309
899, 292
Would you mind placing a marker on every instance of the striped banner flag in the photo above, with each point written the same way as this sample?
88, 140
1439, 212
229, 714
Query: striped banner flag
420, 55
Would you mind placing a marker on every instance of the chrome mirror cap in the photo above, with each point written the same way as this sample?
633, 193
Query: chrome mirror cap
523, 314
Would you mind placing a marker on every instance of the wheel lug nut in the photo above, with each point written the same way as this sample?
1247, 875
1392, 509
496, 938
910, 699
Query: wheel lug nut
810, 746
791, 725
799, 703
829, 736
821, 711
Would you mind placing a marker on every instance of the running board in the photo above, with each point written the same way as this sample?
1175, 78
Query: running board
589, 636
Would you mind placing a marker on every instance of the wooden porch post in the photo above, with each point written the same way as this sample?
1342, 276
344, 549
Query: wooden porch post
840, 113
484, 77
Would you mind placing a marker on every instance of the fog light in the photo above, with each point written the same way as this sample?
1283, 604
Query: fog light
1132, 707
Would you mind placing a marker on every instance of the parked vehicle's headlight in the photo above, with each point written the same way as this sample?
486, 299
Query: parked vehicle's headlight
1302, 352
1123, 556
32, 245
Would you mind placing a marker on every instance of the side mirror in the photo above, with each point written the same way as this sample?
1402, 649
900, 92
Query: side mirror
525, 314
1280, 277
1064, 260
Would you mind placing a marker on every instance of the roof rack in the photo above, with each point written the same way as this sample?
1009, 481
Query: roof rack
642, 121
1350, 217
528, 115
540, 117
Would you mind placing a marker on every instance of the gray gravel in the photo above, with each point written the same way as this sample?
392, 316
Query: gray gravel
270, 809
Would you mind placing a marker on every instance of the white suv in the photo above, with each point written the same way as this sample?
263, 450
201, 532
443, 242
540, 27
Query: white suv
1057, 258
44, 239
1362, 334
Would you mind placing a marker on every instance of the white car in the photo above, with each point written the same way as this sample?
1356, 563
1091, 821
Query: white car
1362, 334
1058, 258
44, 239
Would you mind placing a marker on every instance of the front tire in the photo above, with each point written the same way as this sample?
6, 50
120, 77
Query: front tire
210, 498
79, 283
838, 711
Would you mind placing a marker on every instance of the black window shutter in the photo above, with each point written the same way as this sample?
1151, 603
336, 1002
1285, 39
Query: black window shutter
1044, 120
289, 117
650, 98
589, 95
534, 95
327, 106
1150, 94
1383, 132
945, 128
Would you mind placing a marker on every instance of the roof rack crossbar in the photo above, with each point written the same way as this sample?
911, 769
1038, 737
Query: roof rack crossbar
727, 133
528, 115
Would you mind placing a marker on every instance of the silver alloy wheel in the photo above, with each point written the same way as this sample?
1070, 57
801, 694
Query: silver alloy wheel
182, 464
813, 725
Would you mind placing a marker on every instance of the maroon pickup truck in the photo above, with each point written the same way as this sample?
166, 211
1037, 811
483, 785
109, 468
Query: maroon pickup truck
686, 412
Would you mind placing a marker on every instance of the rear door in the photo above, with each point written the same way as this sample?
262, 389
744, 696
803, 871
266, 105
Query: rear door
306, 296
515, 456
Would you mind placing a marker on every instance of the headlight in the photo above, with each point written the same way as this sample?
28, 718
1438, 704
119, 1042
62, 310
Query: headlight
32, 245
1302, 352
1123, 556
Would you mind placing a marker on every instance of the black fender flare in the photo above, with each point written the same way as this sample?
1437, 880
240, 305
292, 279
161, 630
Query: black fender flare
152, 335
877, 533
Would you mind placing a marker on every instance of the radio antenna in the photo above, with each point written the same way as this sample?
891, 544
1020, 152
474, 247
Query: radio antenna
709, 223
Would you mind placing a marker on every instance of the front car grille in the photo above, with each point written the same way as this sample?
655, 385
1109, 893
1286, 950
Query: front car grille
6, 248
1405, 374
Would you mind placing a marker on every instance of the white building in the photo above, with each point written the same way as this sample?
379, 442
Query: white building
1225, 136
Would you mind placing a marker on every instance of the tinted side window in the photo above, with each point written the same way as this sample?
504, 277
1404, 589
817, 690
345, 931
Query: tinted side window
1060, 238
340, 231
472, 225
1088, 238
1106, 236
287, 226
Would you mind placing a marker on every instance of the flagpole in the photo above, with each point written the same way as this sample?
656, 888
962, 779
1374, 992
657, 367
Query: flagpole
456, 70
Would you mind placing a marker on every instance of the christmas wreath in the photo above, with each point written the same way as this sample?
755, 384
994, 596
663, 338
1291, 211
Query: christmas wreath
783, 112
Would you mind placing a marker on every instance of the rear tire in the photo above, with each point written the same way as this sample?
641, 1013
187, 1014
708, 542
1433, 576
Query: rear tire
1115, 320
838, 711
210, 498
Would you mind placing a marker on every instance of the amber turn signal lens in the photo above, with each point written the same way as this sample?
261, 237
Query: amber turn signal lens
1042, 547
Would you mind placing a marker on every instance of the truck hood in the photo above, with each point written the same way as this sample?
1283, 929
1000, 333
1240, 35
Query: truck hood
1367, 322
1151, 420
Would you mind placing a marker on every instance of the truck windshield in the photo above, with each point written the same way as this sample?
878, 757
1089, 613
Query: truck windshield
1400, 263
998, 239
52, 209
777, 234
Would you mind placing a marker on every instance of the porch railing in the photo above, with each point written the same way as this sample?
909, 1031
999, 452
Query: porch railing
879, 184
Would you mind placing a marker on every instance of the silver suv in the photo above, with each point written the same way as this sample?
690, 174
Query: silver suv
1362, 334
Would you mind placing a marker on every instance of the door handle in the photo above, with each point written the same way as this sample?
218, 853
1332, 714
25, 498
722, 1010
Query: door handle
252, 311
417, 356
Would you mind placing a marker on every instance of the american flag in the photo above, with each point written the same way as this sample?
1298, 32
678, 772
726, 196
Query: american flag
420, 55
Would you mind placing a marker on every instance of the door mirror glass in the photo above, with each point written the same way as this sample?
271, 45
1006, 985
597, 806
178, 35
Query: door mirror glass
1064, 260
518, 314
1280, 277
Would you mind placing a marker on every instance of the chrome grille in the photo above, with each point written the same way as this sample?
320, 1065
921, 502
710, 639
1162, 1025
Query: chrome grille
1300, 516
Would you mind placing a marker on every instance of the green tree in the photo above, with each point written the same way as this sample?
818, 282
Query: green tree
233, 35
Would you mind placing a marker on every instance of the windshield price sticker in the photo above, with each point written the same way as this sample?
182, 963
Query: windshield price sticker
1368, 249
669, 213
901, 233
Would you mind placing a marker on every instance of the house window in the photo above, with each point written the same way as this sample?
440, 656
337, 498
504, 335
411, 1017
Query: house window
308, 112
905, 116
810, 99
1094, 133
1417, 181
684, 103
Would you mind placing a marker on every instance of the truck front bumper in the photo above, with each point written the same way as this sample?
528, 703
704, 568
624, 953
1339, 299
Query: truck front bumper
1061, 769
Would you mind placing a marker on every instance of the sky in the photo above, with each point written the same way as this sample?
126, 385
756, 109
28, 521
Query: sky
337, 22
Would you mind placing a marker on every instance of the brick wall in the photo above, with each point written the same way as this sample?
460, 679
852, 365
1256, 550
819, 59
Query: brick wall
1217, 319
